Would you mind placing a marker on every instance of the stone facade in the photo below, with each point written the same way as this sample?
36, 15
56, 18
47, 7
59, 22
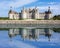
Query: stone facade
13, 15
30, 14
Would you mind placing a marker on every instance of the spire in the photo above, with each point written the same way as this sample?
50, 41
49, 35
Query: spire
10, 7
49, 11
35, 7
23, 8
49, 8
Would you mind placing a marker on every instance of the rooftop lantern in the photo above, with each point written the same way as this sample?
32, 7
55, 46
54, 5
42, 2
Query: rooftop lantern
49, 10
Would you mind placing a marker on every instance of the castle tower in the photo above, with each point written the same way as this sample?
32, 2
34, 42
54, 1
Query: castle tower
13, 14
36, 13
48, 14
30, 13
10, 13
23, 13
49, 9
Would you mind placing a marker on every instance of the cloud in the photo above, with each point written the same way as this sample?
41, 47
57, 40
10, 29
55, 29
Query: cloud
16, 3
52, 3
5, 5
54, 8
43, 6
49, 3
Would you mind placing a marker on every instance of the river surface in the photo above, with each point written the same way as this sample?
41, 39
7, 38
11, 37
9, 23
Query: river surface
29, 37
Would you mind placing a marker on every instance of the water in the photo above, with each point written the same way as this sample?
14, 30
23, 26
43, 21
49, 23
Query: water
29, 37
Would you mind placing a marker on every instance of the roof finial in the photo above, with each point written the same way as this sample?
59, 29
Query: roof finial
35, 7
23, 8
10, 7
49, 8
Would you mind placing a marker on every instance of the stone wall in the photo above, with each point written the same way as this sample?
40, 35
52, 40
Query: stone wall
29, 21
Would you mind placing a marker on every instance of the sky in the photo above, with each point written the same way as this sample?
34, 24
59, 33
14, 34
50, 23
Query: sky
17, 5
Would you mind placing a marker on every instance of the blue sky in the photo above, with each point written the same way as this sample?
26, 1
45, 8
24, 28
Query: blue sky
17, 5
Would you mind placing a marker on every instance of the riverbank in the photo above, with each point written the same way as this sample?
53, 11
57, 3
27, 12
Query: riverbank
29, 21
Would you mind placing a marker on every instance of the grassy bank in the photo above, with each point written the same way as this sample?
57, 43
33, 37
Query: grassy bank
4, 18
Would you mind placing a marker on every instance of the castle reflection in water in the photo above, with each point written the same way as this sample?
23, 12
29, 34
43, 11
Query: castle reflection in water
30, 33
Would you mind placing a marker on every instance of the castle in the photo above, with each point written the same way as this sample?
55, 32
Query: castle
30, 14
